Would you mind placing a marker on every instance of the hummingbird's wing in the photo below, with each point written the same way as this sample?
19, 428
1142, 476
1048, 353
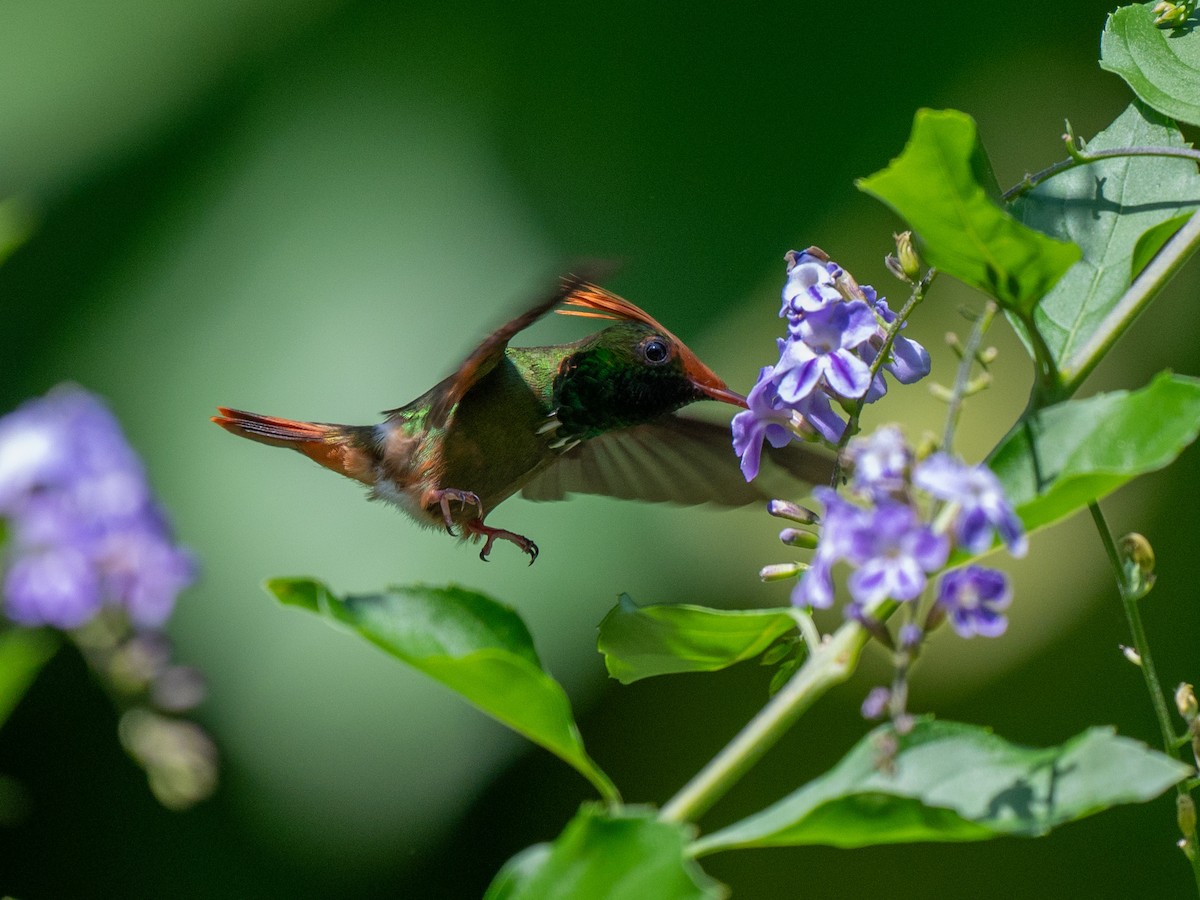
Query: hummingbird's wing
675, 460
447, 394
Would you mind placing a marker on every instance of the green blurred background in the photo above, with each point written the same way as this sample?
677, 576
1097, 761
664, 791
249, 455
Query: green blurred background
314, 208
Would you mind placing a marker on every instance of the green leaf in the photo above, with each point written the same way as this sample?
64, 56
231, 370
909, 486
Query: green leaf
475, 646
1082, 450
601, 853
943, 186
640, 641
1161, 65
1119, 212
954, 782
23, 652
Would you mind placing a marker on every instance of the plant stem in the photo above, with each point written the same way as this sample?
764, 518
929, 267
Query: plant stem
829, 664
918, 294
970, 352
1083, 157
1129, 600
1152, 279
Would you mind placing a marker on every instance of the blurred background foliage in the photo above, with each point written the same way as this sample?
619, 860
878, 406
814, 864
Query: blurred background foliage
314, 208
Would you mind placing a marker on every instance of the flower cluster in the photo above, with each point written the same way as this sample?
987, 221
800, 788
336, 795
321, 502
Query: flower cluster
84, 530
835, 331
898, 526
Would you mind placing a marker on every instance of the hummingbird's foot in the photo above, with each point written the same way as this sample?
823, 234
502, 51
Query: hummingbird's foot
444, 496
476, 526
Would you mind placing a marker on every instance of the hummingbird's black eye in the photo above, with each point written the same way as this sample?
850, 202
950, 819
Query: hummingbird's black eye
655, 351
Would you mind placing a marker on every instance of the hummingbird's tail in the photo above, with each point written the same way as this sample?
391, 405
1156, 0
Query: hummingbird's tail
343, 448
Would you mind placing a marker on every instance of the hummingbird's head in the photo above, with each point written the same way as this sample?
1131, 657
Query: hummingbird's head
629, 373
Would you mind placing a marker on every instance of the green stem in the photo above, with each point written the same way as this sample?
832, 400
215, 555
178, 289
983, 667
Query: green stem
1083, 157
970, 353
1129, 600
918, 294
829, 664
1152, 279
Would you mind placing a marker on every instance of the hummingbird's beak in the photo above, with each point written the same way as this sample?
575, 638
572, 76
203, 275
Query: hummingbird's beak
712, 387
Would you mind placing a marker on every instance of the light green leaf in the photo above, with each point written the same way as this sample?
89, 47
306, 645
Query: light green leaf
1161, 65
608, 854
1119, 212
475, 646
954, 782
640, 641
943, 186
23, 652
1082, 450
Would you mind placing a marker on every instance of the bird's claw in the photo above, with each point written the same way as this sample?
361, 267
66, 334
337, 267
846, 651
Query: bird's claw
476, 526
445, 496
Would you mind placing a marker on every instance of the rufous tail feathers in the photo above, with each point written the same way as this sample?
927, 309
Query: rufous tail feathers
342, 448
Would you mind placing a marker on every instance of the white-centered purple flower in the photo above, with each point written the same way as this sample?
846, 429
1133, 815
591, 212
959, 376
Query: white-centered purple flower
840, 522
766, 419
983, 507
809, 285
892, 553
881, 461
973, 598
823, 351
84, 527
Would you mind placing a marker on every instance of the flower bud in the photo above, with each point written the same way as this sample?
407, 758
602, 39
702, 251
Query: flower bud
784, 510
795, 537
893, 265
1185, 814
1138, 558
1170, 15
1185, 702
876, 703
1130, 654
910, 262
781, 571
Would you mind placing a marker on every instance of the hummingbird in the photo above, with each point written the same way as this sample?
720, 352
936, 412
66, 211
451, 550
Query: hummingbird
596, 416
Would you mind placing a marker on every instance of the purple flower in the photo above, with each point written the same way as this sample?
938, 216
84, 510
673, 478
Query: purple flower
839, 524
818, 414
809, 286
85, 529
983, 507
892, 553
973, 597
823, 350
910, 361
881, 461
766, 419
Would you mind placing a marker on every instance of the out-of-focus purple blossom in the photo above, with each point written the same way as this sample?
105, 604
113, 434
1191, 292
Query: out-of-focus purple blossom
892, 553
983, 507
84, 527
881, 461
839, 524
876, 703
823, 351
973, 598
766, 419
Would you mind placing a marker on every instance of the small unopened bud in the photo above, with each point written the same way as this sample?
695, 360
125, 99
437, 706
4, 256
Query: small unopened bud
1170, 15
785, 510
795, 537
893, 265
910, 636
910, 262
988, 355
1185, 815
876, 703
1130, 654
1138, 557
781, 571
1185, 702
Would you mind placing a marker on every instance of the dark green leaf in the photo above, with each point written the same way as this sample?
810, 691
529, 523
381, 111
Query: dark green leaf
470, 643
943, 186
1082, 450
23, 652
640, 641
1119, 212
953, 782
601, 853
1162, 66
